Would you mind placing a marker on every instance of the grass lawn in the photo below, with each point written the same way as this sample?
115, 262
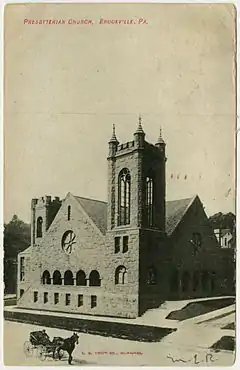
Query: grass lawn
230, 326
199, 308
226, 343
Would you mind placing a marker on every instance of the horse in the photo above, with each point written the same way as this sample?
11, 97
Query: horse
67, 345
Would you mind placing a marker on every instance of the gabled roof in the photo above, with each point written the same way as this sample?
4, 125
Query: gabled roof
97, 211
27, 250
175, 210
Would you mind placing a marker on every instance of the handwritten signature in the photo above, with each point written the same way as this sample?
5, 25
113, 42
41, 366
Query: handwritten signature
208, 358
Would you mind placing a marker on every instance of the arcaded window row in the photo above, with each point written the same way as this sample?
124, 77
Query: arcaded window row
81, 279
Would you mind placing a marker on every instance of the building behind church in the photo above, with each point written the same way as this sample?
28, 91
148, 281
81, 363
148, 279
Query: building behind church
125, 256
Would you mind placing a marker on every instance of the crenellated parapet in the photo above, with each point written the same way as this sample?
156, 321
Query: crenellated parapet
45, 200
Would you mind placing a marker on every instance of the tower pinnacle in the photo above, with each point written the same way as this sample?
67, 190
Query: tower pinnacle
113, 143
139, 135
139, 129
113, 138
160, 139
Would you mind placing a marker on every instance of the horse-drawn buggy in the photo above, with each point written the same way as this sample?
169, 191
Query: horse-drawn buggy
40, 345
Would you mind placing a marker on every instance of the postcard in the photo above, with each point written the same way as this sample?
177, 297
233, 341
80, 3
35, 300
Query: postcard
119, 184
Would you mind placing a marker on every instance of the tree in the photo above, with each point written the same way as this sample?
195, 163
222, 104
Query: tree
223, 221
17, 237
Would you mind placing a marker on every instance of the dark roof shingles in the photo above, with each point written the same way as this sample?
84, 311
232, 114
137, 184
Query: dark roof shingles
97, 211
175, 211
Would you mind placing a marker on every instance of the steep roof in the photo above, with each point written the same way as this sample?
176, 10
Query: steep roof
97, 211
27, 250
175, 210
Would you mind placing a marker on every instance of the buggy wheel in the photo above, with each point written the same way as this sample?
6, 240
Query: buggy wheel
41, 353
28, 349
57, 356
61, 353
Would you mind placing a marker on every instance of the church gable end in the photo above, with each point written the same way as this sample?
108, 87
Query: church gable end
193, 237
71, 235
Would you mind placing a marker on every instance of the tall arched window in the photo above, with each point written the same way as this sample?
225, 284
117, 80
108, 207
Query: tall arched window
152, 275
69, 212
46, 278
81, 278
212, 281
39, 227
124, 188
121, 275
205, 281
94, 278
57, 278
149, 201
68, 278
195, 281
174, 281
185, 281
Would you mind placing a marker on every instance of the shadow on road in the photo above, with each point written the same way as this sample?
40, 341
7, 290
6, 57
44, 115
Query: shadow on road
77, 362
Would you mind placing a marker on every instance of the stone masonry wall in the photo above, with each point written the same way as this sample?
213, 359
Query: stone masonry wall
207, 258
129, 291
88, 254
154, 253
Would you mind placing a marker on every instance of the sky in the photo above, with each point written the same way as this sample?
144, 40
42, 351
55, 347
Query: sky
65, 86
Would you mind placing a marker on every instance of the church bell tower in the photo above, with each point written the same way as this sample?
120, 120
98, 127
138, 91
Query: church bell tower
135, 219
136, 182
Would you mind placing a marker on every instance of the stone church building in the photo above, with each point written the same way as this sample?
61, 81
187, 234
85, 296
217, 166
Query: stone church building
125, 256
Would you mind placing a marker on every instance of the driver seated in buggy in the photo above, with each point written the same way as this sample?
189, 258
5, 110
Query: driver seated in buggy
39, 337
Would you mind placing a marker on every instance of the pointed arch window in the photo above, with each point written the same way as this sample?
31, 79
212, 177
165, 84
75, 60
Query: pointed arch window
205, 281
69, 213
212, 281
174, 281
124, 188
195, 283
152, 275
149, 201
186, 281
22, 268
39, 227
